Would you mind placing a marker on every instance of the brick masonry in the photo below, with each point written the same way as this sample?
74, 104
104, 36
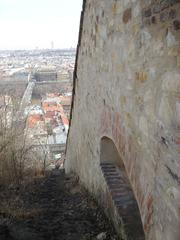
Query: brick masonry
123, 202
127, 87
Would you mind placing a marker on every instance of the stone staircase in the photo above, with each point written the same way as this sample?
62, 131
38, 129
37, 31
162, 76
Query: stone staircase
123, 200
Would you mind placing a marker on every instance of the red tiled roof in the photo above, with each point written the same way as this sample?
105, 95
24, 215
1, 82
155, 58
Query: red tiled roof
49, 114
34, 119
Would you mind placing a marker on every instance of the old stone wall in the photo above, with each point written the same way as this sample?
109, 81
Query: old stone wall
41, 89
127, 88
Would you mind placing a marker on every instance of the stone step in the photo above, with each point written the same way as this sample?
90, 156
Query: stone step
107, 166
123, 199
110, 173
114, 179
109, 169
116, 184
122, 204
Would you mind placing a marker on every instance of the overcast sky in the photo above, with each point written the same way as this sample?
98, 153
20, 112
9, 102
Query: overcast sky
27, 24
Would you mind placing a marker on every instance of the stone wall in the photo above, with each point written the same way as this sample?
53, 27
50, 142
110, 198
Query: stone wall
41, 89
127, 88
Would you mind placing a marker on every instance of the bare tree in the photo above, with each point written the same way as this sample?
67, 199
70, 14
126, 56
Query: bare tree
14, 150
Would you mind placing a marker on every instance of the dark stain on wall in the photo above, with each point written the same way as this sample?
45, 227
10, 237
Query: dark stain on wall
127, 15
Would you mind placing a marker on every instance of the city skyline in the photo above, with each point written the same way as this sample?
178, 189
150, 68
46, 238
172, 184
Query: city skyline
36, 24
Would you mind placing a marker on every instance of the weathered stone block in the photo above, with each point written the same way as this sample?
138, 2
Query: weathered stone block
164, 4
114, 8
164, 16
172, 14
141, 76
177, 140
147, 22
171, 40
176, 25
147, 12
156, 8
172, 2
178, 61
102, 14
127, 15
153, 20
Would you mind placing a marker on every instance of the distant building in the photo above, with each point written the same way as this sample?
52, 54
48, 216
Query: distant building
63, 76
45, 75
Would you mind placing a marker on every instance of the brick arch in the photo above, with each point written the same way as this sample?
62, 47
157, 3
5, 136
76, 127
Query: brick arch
121, 200
109, 152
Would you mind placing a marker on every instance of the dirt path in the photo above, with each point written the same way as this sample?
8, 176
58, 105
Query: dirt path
54, 208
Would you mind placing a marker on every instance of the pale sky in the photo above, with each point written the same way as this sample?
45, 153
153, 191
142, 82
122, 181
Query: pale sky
27, 24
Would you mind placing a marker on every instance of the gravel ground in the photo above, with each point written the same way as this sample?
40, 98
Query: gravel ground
54, 207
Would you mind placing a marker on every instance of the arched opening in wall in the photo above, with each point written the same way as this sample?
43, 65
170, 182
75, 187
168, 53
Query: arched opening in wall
122, 199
